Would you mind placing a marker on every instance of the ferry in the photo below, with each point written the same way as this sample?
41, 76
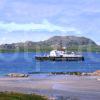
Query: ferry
61, 55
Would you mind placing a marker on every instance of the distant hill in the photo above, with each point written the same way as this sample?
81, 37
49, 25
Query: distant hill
67, 41
70, 42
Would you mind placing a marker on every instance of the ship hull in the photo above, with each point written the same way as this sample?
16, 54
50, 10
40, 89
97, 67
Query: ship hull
60, 58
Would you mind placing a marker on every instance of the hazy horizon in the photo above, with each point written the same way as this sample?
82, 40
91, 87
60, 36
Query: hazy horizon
32, 20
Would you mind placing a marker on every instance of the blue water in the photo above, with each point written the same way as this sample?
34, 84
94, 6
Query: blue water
26, 63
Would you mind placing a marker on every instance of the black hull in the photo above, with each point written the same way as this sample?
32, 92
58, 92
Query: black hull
60, 58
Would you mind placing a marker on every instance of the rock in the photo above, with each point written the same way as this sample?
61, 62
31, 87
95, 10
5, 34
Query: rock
84, 74
98, 79
17, 75
52, 98
97, 73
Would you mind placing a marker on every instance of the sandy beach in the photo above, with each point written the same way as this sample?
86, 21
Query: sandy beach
61, 87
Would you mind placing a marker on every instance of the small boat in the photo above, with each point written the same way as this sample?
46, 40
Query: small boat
61, 55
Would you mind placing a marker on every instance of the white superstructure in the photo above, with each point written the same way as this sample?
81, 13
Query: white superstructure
61, 53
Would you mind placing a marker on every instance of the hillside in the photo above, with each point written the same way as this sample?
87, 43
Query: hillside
67, 41
70, 42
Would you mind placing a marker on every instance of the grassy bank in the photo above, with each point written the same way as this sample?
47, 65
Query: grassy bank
20, 96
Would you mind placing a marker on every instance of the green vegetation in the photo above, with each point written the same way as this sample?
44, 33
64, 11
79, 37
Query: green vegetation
68, 73
85, 48
82, 48
20, 96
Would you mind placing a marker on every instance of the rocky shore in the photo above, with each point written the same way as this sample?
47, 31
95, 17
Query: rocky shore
96, 73
55, 87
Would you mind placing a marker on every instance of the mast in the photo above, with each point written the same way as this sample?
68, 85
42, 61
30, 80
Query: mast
62, 48
61, 45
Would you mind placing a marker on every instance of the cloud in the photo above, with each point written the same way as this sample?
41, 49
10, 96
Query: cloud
44, 26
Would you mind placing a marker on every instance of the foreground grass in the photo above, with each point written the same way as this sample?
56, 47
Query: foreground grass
20, 96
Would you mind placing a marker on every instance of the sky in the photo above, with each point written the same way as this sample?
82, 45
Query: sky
38, 20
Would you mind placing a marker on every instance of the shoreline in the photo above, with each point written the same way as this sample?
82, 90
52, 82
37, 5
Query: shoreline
62, 86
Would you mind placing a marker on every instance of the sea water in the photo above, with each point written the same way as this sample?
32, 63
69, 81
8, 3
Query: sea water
24, 62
